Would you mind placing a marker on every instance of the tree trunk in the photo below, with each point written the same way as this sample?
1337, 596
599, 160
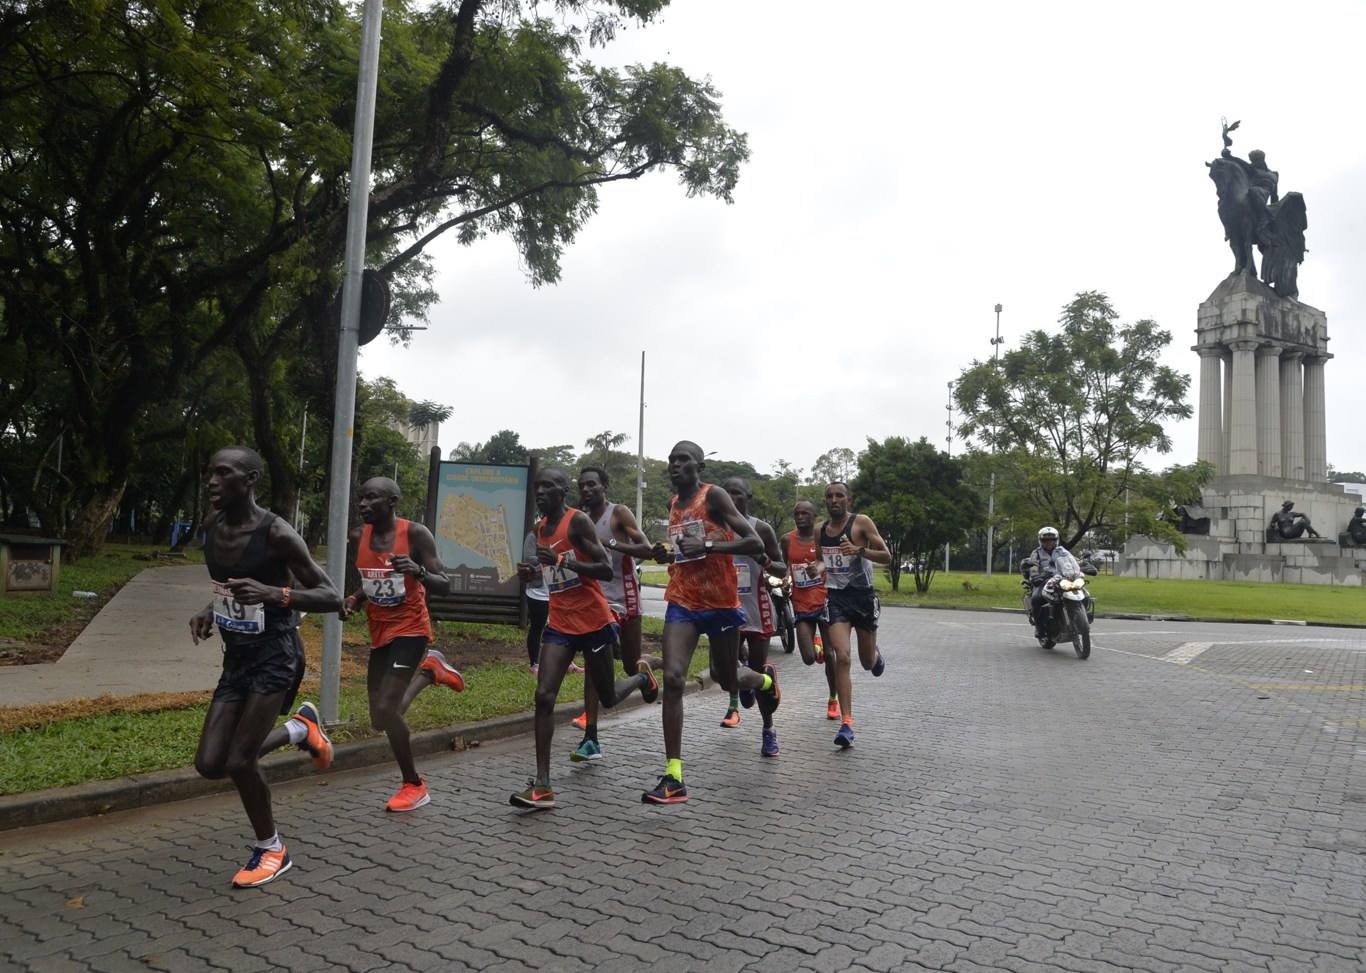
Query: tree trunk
283, 483
91, 525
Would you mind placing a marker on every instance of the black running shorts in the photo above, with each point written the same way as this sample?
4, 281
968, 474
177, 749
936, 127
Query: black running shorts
401, 656
858, 607
263, 668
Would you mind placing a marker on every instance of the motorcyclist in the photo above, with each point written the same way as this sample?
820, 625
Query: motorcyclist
1037, 568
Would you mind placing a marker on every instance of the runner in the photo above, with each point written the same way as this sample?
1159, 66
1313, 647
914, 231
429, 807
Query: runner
575, 565
397, 562
625, 544
261, 573
850, 546
751, 578
802, 553
703, 599
537, 603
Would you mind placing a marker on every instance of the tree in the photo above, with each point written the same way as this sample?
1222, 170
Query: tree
426, 412
917, 496
175, 180
1070, 414
603, 443
1349, 476
839, 464
562, 456
504, 448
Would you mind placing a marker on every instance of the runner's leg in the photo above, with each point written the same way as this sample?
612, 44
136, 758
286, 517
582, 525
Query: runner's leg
257, 716
386, 685
554, 662
537, 612
837, 659
758, 657
806, 641
601, 669
725, 663
867, 647
680, 642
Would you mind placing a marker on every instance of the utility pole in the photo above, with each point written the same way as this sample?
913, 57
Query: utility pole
298, 486
948, 447
991, 493
348, 344
640, 451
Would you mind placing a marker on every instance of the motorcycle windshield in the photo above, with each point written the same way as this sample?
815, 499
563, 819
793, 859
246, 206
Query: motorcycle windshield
1067, 566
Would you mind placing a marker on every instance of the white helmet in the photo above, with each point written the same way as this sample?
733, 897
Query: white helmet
1047, 532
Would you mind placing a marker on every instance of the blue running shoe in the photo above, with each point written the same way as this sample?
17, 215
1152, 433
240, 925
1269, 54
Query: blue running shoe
587, 750
844, 739
880, 666
770, 745
667, 791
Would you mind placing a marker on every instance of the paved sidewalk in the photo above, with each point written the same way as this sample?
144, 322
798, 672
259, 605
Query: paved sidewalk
138, 643
1003, 808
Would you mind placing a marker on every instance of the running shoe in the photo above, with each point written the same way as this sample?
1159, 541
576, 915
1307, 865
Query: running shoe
575, 669
315, 744
443, 673
668, 791
731, 719
410, 797
771, 697
820, 650
581, 721
262, 868
832, 710
770, 744
535, 797
587, 750
844, 739
649, 693
879, 667
534, 669
746, 698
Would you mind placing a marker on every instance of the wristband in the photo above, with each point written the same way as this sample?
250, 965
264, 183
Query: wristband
284, 597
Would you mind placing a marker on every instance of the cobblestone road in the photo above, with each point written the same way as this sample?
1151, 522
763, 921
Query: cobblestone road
1193, 797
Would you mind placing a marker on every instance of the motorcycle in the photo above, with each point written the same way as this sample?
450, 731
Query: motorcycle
1068, 606
780, 590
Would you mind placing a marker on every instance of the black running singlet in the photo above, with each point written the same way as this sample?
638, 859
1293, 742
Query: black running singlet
245, 625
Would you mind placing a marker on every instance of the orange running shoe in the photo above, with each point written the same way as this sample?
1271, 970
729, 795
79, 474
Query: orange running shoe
443, 673
581, 721
263, 867
410, 797
318, 746
732, 718
820, 650
832, 710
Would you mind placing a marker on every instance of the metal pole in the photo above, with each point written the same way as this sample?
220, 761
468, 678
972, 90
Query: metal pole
640, 451
991, 494
948, 444
344, 409
298, 487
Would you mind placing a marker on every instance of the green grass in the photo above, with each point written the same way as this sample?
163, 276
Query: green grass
30, 616
74, 751
1202, 599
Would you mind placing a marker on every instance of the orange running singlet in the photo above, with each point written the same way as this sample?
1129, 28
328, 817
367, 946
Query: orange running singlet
707, 581
808, 594
395, 603
577, 604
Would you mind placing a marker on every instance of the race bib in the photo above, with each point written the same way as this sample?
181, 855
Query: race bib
836, 562
232, 616
800, 579
383, 586
558, 580
689, 528
744, 580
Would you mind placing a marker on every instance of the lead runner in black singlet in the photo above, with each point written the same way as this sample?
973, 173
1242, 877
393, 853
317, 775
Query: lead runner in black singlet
262, 573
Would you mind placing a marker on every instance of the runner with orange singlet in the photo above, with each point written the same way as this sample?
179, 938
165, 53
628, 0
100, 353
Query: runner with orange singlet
574, 564
397, 562
802, 552
703, 599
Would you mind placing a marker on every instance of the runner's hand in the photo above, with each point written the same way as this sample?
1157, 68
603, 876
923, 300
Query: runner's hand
348, 607
848, 548
660, 553
249, 591
547, 555
404, 564
690, 546
201, 625
526, 571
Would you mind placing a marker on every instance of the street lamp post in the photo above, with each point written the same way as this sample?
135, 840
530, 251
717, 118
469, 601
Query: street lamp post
991, 493
948, 447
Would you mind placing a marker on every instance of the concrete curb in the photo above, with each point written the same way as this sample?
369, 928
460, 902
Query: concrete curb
1136, 617
180, 784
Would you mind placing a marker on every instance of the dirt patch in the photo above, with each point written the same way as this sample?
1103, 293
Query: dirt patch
14, 718
51, 645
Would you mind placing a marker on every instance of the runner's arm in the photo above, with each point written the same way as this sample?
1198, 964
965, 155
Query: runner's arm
201, 624
583, 536
721, 509
315, 591
422, 562
631, 540
874, 548
777, 558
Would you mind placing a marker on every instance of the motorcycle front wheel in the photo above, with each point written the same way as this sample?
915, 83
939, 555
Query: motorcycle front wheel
1081, 630
787, 629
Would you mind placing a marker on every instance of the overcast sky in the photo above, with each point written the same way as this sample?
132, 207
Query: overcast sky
912, 166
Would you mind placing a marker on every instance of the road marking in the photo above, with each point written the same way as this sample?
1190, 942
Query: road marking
1183, 654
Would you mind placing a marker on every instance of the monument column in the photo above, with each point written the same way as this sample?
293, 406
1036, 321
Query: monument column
1269, 410
1292, 416
1211, 448
1315, 426
1242, 447
1228, 411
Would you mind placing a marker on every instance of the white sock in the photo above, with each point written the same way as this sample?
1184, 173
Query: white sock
272, 843
297, 730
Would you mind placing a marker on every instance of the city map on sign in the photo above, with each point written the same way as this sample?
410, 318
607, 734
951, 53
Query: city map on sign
477, 528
